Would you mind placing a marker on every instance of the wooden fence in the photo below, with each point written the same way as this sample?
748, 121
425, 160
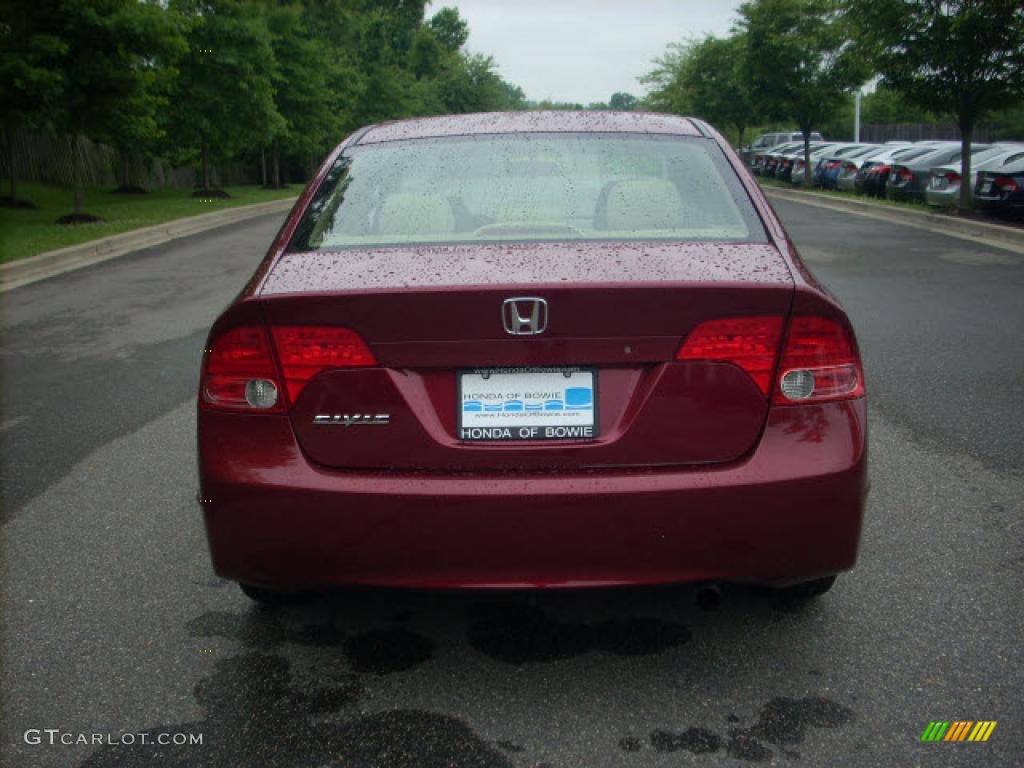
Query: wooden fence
48, 158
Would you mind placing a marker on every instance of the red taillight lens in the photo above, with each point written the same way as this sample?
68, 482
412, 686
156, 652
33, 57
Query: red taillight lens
820, 363
953, 177
239, 373
881, 169
304, 351
850, 168
901, 175
1005, 183
752, 343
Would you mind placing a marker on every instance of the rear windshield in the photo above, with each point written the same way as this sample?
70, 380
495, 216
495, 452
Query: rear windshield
528, 187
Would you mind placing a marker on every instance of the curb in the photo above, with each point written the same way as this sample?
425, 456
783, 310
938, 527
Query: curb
52, 263
993, 235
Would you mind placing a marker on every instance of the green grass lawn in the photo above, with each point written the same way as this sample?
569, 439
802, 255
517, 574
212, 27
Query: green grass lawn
25, 232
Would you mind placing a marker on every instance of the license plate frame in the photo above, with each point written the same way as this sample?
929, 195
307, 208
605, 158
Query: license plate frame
508, 398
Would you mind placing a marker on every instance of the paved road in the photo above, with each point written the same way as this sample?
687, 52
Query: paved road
113, 622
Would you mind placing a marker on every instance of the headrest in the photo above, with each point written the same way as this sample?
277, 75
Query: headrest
415, 214
640, 204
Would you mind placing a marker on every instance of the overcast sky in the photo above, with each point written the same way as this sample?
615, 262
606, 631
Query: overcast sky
583, 50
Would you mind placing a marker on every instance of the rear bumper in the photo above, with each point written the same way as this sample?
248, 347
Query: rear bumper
791, 511
998, 203
846, 183
942, 198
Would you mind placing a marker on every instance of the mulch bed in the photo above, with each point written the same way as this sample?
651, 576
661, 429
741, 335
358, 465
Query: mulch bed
9, 202
210, 194
78, 218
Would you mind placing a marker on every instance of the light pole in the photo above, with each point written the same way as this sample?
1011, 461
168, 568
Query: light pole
856, 116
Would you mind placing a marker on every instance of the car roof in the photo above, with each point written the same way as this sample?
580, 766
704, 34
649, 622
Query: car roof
541, 121
1001, 155
931, 157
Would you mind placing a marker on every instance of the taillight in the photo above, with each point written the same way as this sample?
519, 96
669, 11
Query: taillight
751, 343
901, 175
952, 177
304, 351
850, 168
1005, 183
820, 363
881, 170
239, 373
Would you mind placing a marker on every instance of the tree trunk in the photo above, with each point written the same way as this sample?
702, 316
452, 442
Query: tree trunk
263, 166
125, 167
76, 170
741, 129
276, 157
808, 173
206, 164
966, 133
9, 130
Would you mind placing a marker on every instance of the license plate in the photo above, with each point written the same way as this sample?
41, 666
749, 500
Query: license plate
527, 404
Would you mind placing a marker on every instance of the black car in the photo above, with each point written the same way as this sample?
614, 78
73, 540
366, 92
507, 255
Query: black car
909, 177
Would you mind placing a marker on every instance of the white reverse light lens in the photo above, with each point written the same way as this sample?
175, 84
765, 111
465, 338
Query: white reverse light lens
798, 385
260, 393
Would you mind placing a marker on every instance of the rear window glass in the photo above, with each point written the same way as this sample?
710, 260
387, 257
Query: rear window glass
528, 187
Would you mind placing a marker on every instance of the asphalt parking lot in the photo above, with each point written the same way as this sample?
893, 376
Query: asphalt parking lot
114, 624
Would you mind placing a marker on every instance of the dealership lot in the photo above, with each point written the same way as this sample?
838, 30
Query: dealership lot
115, 625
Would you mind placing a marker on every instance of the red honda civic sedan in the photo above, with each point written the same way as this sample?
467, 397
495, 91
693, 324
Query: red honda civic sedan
540, 349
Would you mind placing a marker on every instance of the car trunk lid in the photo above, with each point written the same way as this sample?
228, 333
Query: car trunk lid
616, 313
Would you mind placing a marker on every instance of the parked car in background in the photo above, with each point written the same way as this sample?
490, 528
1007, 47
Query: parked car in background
874, 173
909, 177
784, 170
943, 190
850, 166
1001, 189
456, 367
772, 159
827, 170
765, 142
797, 174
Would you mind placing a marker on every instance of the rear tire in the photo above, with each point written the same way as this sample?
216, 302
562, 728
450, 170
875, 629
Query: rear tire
265, 596
806, 590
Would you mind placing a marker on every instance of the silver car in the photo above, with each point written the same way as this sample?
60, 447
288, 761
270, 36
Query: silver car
943, 190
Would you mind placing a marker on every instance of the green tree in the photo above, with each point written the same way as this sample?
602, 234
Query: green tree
133, 123
704, 78
224, 96
964, 57
31, 81
887, 106
301, 94
718, 91
799, 62
626, 102
515, 98
105, 70
450, 29
666, 91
